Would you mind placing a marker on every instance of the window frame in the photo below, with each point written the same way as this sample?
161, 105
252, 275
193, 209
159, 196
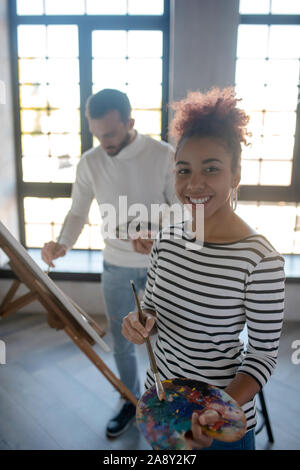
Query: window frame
86, 24
268, 193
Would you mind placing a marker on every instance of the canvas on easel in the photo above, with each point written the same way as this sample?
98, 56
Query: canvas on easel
63, 313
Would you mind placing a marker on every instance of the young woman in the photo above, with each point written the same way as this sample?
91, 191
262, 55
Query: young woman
198, 301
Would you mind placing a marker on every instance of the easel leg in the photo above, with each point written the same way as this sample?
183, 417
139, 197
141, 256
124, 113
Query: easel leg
73, 329
8, 307
10, 294
90, 353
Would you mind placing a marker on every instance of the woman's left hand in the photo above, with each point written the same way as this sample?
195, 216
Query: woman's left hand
196, 438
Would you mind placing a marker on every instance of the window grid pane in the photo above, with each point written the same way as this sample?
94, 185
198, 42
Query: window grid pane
277, 7
254, 7
64, 7
90, 7
267, 76
138, 7
30, 7
44, 218
285, 7
133, 57
279, 223
49, 102
104, 7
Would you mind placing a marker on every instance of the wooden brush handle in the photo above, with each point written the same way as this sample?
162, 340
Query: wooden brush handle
151, 356
159, 387
147, 340
141, 317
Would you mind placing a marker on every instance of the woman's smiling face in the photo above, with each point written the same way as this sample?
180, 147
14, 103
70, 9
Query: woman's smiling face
203, 175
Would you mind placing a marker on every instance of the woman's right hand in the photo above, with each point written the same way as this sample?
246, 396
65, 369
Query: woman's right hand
134, 331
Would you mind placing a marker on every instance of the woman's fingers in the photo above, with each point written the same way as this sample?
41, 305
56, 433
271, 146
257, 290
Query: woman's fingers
196, 437
132, 335
199, 435
134, 331
144, 330
150, 322
209, 417
133, 318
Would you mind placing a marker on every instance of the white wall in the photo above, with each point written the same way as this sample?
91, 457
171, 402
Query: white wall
291, 312
8, 197
203, 37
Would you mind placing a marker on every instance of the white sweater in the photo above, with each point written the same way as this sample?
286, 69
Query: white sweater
141, 171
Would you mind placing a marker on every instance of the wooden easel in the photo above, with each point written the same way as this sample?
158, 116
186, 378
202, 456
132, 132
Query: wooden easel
58, 315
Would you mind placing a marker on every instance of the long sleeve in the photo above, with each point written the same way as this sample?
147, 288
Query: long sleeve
82, 196
147, 299
264, 308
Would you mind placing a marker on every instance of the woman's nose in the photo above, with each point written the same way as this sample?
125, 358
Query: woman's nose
197, 181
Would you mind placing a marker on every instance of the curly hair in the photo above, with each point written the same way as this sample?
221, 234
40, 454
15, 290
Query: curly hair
213, 114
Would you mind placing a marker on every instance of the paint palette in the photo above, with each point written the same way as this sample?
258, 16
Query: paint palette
164, 423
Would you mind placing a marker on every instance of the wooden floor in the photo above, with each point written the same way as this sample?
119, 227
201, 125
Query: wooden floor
52, 396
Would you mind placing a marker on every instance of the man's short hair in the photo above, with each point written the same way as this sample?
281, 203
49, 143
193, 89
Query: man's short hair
101, 103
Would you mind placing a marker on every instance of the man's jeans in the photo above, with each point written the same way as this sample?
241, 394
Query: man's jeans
119, 300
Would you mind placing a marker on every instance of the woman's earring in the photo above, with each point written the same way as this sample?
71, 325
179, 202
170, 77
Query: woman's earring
233, 199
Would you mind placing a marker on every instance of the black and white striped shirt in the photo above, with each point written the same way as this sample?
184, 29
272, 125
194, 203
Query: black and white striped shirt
203, 299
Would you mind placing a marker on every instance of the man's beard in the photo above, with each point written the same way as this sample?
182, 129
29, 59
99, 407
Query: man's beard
123, 144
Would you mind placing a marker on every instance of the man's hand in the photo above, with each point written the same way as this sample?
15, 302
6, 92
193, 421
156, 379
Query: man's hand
134, 331
51, 251
196, 438
142, 244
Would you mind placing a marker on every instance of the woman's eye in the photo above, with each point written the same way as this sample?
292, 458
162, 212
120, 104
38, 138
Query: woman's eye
185, 171
211, 169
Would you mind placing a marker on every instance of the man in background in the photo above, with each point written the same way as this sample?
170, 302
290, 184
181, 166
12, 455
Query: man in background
125, 164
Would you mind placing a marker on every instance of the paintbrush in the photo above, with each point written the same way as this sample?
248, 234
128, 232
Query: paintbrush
159, 386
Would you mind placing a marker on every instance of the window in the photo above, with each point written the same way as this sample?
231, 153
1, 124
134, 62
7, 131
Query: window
38, 213
90, 7
65, 52
254, 7
132, 62
267, 79
49, 97
278, 222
